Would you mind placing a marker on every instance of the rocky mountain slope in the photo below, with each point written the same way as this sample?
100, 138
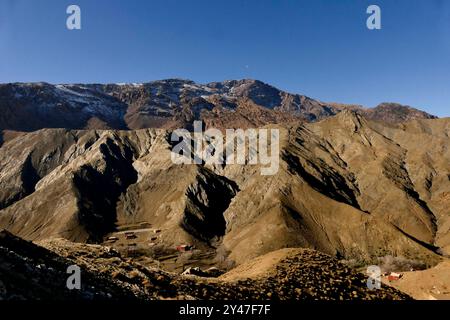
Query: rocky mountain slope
169, 104
347, 186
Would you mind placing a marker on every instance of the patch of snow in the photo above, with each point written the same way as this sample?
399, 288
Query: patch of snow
191, 86
86, 101
71, 92
134, 84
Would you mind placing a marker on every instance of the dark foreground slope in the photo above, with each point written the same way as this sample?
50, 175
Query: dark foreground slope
30, 272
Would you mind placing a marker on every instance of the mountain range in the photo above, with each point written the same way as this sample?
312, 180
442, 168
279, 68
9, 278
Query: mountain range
169, 104
91, 164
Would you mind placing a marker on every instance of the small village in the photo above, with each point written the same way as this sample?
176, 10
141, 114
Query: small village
144, 243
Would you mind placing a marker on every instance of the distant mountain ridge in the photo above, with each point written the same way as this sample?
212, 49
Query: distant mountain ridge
170, 103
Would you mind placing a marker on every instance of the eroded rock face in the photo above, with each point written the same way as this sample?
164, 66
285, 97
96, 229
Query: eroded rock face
207, 199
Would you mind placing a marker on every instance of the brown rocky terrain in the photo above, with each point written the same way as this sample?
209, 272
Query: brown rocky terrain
386, 112
430, 284
29, 272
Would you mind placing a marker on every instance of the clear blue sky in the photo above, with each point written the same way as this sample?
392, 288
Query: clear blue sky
320, 48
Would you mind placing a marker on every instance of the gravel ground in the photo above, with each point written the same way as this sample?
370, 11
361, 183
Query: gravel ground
30, 272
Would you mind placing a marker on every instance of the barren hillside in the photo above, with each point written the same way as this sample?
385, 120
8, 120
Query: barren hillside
346, 186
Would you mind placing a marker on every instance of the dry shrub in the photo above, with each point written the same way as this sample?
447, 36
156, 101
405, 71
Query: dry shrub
392, 264
222, 261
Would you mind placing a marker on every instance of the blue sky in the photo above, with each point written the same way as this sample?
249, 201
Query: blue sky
320, 48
